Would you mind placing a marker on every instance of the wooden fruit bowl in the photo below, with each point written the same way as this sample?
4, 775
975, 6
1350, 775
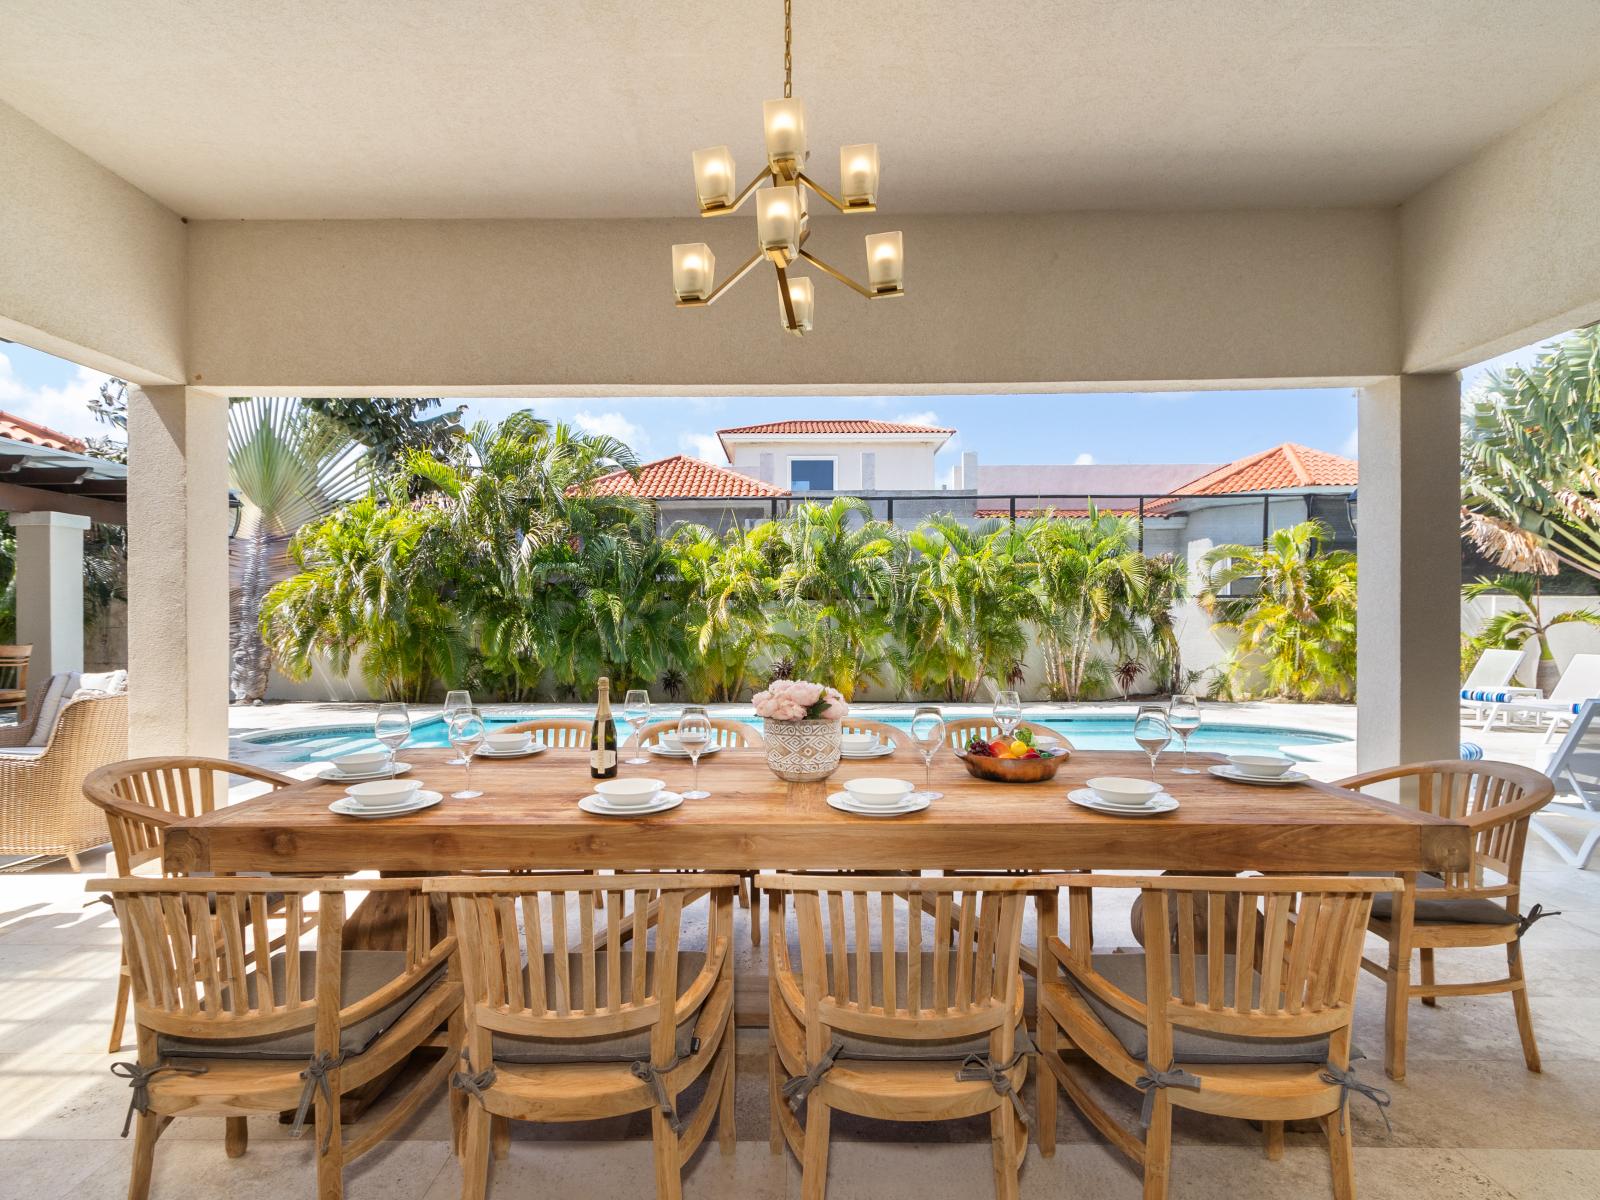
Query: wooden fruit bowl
1014, 770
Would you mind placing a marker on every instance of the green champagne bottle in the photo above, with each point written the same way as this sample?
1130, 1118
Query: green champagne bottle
603, 737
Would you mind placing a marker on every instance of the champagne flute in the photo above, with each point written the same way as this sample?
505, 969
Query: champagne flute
636, 711
1183, 714
694, 735
467, 732
1007, 713
927, 733
455, 702
392, 727
1151, 731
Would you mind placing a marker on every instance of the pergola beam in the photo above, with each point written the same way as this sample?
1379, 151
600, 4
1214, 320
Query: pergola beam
14, 498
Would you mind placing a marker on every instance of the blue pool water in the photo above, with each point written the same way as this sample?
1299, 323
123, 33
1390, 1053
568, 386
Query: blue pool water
1086, 733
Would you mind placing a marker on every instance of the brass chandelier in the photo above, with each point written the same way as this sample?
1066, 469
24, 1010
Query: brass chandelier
782, 223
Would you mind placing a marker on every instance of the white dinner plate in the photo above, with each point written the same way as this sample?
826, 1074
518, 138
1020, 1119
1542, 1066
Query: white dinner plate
333, 775
913, 803
536, 748
420, 801
1233, 775
880, 751
1158, 804
664, 752
600, 807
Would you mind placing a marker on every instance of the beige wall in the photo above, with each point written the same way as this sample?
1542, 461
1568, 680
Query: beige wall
1075, 301
1505, 249
91, 268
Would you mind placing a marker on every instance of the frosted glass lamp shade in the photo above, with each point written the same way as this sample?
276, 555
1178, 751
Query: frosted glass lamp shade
780, 214
803, 298
713, 177
693, 269
785, 124
886, 264
858, 174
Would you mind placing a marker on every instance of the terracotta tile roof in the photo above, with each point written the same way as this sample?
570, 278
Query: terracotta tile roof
851, 427
20, 429
1281, 468
681, 476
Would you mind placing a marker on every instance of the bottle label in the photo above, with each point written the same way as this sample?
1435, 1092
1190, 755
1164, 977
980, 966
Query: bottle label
602, 760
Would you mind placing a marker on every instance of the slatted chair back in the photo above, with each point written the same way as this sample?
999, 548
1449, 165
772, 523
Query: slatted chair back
1496, 799
1271, 958
965, 985
543, 956
14, 677
724, 733
200, 954
959, 732
141, 797
561, 732
886, 732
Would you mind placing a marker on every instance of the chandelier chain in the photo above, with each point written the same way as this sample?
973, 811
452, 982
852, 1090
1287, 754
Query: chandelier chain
788, 54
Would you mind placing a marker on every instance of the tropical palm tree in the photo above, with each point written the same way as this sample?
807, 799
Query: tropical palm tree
729, 587
1514, 628
1295, 621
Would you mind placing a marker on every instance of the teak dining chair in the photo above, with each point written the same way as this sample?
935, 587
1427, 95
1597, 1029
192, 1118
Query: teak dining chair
230, 1028
561, 732
723, 733
929, 1032
557, 1032
959, 732
1262, 1035
141, 797
1460, 908
14, 679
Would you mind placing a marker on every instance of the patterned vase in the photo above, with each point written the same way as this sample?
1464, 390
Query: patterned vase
802, 751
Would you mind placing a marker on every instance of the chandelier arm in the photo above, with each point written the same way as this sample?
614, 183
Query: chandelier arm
725, 210
744, 269
816, 187
837, 274
791, 323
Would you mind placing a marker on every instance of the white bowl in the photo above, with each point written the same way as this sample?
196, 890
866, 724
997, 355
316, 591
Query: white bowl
1262, 766
508, 743
383, 793
359, 762
858, 743
873, 792
630, 792
1120, 789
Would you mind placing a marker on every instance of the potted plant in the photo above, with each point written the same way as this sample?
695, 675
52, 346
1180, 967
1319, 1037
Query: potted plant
800, 720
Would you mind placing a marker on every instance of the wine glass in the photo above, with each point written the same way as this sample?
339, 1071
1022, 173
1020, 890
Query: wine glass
1007, 713
455, 702
636, 711
392, 727
694, 735
467, 732
1152, 732
927, 734
1183, 714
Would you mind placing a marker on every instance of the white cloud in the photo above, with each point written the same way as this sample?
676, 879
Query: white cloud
703, 446
1351, 444
612, 424
1084, 460
64, 407
928, 417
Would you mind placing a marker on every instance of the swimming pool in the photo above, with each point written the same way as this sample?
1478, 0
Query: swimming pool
1089, 732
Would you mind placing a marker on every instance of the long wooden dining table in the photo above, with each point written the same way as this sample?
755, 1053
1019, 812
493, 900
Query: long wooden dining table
528, 817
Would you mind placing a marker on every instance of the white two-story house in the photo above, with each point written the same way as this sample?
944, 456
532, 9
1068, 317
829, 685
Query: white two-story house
849, 457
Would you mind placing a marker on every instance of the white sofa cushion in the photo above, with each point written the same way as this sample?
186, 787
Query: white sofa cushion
102, 683
55, 695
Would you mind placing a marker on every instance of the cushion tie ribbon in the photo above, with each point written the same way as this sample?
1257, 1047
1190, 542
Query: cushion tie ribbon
474, 1084
651, 1076
316, 1077
798, 1087
1532, 917
139, 1077
1348, 1083
1153, 1080
980, 1066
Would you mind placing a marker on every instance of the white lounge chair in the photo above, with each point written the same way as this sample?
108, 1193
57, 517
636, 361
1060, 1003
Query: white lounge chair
1579, 682
1487, 690
1575, 767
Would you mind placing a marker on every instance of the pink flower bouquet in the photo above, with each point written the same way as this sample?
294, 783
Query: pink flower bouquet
800, 700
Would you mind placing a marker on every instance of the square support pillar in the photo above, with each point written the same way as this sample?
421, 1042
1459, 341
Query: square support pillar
1408, 609
177, 572
50, 592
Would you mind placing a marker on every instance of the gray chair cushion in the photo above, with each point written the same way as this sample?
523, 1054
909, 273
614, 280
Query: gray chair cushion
1445, 912
364, 972
626, 1047
1127, 971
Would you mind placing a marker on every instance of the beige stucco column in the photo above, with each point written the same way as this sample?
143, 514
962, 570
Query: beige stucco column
50, 591
177, 572
1409, 544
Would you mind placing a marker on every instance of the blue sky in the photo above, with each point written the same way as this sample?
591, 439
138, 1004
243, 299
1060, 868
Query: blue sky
1102, 428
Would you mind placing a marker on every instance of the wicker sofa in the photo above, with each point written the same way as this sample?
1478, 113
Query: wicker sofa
42, 807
